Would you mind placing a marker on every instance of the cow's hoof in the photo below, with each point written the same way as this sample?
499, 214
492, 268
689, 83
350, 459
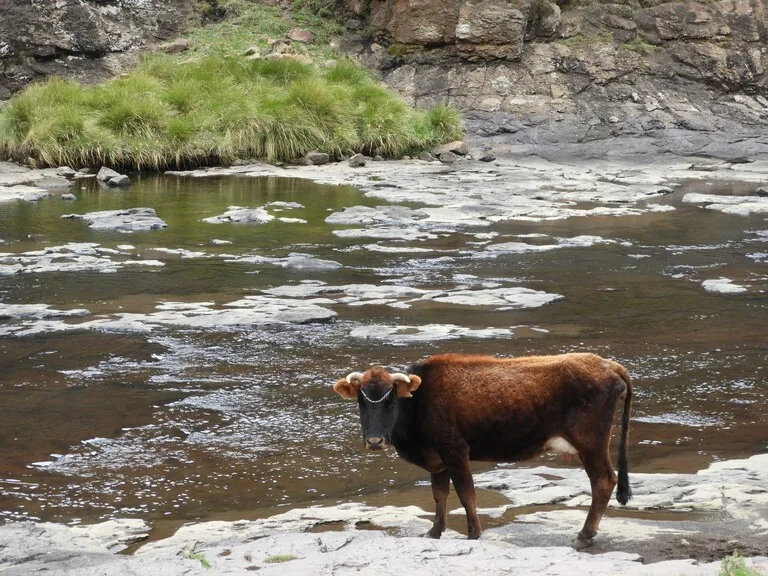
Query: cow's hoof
583, 541
433, 533
473, 535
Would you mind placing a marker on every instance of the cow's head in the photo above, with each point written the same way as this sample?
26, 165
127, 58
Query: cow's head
377, 392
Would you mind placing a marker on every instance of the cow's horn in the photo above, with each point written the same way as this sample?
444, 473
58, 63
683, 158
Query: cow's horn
354, 376
400, 376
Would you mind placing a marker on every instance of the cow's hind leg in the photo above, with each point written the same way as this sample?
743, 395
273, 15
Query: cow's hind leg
603, 480
441, 484
461, 474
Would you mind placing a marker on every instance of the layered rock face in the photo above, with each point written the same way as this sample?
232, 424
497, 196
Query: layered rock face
528, 68
87, 39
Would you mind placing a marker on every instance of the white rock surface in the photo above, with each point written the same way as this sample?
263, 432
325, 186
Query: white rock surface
128, 220
241, 215
722, 286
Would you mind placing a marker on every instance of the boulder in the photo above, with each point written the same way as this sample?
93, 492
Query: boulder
357, 161
65, 171
178, 45
120, 180
316, 158
280, 47
427, 156
457, 147
448, 157
105, 174
301, 35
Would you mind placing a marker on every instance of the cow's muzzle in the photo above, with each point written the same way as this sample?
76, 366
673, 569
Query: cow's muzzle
375, 443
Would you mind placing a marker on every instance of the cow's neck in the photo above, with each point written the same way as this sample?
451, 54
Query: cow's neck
405, 433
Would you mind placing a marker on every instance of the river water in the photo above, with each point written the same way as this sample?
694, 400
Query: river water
185, 373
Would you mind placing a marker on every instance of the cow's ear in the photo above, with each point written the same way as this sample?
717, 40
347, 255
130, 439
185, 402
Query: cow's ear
346, 389
404, 388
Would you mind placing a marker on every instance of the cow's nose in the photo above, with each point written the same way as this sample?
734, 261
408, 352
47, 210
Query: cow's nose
375, 442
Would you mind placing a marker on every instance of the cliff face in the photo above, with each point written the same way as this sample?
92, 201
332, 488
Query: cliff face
526, 72
87, 39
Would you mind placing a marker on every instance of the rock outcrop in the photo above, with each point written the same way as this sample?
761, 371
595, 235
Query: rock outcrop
684, 74
87, 39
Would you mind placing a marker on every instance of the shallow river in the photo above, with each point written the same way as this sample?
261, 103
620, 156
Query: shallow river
200, 386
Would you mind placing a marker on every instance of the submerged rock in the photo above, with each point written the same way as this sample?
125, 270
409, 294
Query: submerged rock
309, 262
241, 215
128, 220
22, 192
377, 215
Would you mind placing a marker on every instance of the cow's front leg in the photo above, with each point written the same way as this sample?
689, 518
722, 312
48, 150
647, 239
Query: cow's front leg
441, 484
461, 474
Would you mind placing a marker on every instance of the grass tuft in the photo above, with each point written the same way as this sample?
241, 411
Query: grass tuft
734, 565
278, 558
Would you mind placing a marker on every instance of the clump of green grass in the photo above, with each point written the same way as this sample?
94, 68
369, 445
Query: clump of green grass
641, 46
734, 565
199, 556
169, 114
213, 105
278, 558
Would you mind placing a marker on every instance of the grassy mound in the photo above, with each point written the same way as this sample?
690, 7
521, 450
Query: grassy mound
214, 107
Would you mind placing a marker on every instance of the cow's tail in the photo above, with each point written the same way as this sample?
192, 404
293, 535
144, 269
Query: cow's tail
624, 492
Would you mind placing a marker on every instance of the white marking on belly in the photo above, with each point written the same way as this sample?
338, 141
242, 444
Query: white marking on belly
561, 445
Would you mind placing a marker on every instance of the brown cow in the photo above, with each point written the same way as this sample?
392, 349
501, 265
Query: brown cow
453, 408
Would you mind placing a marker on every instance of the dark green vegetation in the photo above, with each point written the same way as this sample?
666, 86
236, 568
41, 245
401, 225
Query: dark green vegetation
214, 105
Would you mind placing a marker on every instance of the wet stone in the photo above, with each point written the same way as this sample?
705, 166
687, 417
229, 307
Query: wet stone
119, 181
66, 171
21, 192
130, 220
381, 215
241, 215
105, 174
308, 262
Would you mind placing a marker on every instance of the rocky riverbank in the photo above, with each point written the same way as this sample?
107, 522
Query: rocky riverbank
676, 524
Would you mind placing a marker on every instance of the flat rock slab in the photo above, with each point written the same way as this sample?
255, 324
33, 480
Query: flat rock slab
128, 220
282, 545
735, 205
241, 215
23, 193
